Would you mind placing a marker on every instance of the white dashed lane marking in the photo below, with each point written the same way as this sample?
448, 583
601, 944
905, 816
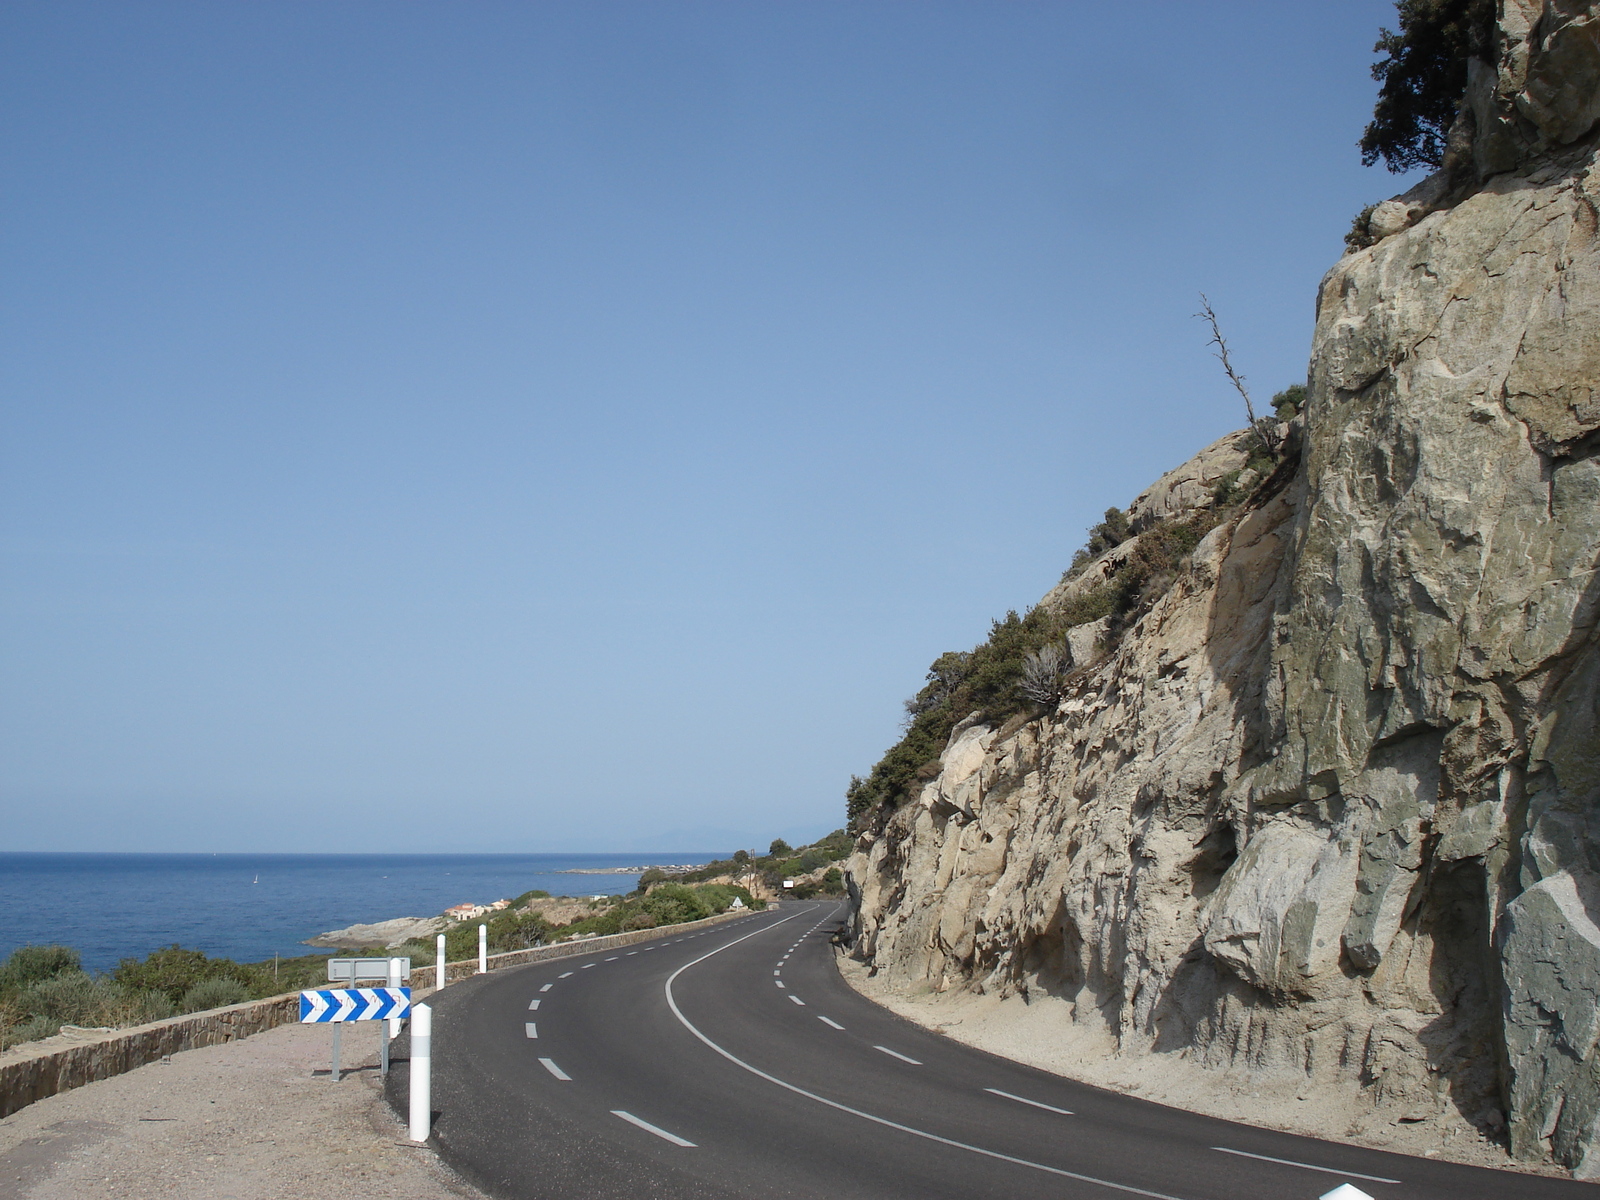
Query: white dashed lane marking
555, 1070
896, 1054
547, 987
564, 974
795, 998
1036, 1104
829, 1023
532, 1005
649, 1128
531, 1029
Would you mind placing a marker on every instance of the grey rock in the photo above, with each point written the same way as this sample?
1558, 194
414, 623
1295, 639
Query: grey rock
1330, 806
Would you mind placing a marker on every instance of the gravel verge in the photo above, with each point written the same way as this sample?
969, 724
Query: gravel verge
255, 1119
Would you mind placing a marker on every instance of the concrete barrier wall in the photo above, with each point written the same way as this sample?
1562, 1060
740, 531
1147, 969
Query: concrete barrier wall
31, 1076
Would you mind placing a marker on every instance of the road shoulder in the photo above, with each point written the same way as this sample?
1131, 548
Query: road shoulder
254, 1119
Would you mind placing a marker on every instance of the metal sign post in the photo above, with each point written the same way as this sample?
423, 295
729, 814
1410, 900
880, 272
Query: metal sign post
338, 1005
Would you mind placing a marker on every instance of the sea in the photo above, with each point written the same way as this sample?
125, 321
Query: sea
248, 907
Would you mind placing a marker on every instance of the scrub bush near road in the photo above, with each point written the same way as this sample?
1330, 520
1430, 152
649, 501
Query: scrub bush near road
43, 988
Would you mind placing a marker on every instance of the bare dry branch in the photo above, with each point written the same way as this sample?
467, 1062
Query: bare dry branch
1263, 429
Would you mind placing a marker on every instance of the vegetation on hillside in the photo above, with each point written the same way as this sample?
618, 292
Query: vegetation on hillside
781, 862
1022, 669
1422, 77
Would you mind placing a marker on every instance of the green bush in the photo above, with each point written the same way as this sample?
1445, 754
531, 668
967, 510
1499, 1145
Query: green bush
1289, 402
172, 971
217, 992
32, 964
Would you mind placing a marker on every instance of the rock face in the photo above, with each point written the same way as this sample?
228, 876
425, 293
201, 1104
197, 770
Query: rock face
1332, 805
388, 934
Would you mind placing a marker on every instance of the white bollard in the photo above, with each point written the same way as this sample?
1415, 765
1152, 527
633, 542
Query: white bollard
483, 949
394, 1022
439, 971
421, 1072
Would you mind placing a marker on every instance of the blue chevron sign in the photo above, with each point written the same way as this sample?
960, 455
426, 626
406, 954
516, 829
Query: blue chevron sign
354, 1004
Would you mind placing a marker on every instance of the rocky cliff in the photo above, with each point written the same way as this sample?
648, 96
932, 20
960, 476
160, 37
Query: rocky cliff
1329, 806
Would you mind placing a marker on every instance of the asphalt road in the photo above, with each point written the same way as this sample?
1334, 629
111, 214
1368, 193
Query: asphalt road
734, 1062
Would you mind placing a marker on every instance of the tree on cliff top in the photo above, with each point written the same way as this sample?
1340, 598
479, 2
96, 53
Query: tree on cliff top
1423, 77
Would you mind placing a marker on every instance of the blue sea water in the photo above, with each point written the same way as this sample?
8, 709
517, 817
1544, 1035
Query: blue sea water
249, 907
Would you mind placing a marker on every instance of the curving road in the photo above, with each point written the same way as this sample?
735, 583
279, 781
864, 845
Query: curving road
734, 1062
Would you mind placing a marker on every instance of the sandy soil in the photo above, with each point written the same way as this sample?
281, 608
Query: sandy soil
1042, 1035
257, 1119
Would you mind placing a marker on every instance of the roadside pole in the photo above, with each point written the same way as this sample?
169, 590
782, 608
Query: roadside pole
439, 971
483, 949
421, 1072
390, 1028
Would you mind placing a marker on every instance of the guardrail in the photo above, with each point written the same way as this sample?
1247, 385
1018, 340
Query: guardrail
34, 1076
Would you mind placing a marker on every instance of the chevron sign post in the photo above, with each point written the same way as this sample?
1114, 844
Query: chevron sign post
335, 1006
354, 1004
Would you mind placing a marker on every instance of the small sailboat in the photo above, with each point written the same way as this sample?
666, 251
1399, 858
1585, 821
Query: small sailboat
257, 879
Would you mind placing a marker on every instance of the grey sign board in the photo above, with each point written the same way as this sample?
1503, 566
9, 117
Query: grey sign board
357, 969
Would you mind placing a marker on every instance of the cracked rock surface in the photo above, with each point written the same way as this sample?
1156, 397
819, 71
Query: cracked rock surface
1330, 809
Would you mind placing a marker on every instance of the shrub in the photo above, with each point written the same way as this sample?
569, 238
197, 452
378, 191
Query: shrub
32, 964
172, 971
1288, 403
217, 992
780, 848
1112, 531
1422, 77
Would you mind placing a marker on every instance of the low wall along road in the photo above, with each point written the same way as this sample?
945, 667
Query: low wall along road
28, 1073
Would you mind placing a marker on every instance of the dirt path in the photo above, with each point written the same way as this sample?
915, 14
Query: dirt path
257, 1119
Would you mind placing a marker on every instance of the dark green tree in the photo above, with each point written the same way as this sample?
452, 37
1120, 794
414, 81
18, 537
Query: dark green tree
780, 848
1422, 78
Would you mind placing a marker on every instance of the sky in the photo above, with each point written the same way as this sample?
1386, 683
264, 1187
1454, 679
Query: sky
577, 426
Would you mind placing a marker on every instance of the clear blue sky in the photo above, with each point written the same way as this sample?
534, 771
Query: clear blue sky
562, 426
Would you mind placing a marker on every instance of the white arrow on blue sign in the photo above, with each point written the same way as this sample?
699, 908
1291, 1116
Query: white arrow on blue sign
354, 1004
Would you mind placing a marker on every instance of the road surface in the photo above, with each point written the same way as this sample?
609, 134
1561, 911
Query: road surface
735, 1062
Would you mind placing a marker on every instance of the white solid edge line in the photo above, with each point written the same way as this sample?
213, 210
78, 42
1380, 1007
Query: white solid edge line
897, 1054
829, 1022
1065, 1112
649, 1128
1289, 1162
796, 999
555, 1070
532, 1005
672, 1003
531, 1029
